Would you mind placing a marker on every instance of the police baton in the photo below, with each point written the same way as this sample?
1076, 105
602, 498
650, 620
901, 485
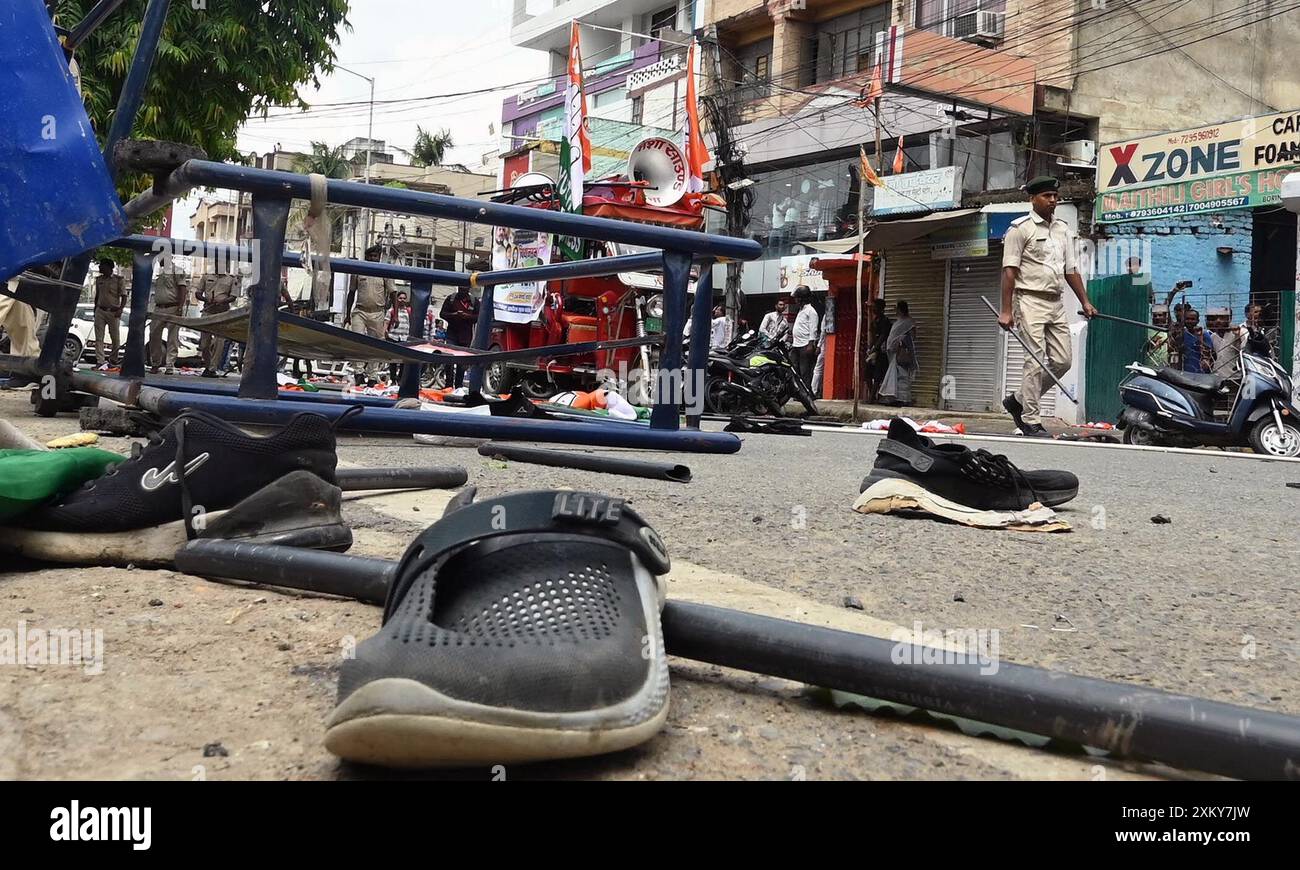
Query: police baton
1033, 354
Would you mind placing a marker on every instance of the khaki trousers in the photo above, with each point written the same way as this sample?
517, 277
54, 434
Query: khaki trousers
112, 322
1041, 321
369, 323
19, 321
156, 354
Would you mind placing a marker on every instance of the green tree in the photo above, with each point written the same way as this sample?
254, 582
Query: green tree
430, 148
326, 161
216, 66
331, 163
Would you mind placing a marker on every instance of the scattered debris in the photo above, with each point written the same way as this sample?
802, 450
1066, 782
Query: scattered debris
853, 603
957, 596
155, 602
213, 750
1161, 520
1294, 485
1060, 617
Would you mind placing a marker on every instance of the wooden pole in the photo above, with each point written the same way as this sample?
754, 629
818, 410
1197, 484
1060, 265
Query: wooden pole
857, 338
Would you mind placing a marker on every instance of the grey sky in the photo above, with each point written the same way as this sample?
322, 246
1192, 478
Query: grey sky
411, 48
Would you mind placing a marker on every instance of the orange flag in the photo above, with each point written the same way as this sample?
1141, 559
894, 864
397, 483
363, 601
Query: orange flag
697, 153
898, 157
875, 89
864, 168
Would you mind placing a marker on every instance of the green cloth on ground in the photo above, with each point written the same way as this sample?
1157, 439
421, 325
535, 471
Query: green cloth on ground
29, 478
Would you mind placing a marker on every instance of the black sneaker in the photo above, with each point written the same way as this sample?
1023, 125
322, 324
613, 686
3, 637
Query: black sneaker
1036, 430
974, 478
1016, 410
520, 628
194, 465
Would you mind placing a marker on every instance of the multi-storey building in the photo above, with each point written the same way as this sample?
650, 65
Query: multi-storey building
982, 95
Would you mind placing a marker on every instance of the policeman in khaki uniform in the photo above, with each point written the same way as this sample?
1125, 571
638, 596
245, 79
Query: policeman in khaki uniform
364, 310
217, 293
110, 297
1038, 259
169, 298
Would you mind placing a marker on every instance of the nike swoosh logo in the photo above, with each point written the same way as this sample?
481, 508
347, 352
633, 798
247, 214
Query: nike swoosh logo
154, 478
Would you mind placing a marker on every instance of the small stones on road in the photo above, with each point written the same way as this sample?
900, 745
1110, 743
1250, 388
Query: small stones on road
853, 603
1161, 520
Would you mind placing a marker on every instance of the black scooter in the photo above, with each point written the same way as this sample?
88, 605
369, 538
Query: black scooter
1171, 407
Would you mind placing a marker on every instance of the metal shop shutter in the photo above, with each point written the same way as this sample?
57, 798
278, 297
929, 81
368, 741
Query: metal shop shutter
1014, 372
974, 345
912, 276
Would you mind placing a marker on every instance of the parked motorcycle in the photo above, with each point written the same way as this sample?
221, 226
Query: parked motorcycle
1176, 408
754, 376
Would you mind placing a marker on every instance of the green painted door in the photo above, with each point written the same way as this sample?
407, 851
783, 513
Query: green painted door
1111, 345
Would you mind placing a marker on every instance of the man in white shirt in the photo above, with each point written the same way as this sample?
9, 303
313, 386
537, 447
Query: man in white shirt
803, 337
774, 323
719, 330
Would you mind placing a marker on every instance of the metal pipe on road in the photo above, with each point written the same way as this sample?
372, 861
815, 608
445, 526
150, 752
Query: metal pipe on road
1127, 721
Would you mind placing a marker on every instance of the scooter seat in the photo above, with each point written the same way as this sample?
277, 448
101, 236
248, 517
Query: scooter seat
1190, 380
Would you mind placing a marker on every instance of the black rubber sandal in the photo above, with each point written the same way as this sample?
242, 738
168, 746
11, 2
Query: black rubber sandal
521, 628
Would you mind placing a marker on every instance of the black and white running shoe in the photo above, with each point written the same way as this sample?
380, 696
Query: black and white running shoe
973, 478
186, 482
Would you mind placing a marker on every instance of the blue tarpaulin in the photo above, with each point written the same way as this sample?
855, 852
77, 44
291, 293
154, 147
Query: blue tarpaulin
56, 196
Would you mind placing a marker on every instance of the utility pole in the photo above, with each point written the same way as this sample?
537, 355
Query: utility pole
730, 168
370, 146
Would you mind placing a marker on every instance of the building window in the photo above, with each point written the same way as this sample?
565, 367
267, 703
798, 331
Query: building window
664, 19
845, 46
638, 110
762, 66
939, 15
609, 98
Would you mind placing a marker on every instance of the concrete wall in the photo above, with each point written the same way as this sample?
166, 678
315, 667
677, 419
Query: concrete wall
1184, 248
1250, 71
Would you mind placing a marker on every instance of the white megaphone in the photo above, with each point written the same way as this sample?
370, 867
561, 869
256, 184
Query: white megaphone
661, 163
533, 179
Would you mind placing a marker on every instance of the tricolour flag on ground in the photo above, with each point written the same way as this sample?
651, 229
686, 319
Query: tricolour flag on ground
575, 147
693, 147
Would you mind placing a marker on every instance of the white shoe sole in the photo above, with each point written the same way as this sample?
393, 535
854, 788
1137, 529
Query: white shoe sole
893, 495
402, 723
156, 545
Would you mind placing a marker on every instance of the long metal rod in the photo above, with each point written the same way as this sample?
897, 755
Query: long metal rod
137, 79
668, 387
195, 173
1143, 324
698, 358
1033, 354
421, 292
261, 361
1125, 720
133, 359
90, 22
572, 269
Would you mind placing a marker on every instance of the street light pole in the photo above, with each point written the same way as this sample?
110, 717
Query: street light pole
370, 145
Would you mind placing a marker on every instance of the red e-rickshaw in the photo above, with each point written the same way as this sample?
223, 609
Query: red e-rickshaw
627, 305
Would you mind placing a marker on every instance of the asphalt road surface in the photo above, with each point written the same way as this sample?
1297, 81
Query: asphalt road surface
1204, 604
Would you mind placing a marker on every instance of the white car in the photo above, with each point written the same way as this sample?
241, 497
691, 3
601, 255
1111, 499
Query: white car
81, 337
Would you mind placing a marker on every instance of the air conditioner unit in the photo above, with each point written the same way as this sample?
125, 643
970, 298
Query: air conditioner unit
979, 26
1081, 153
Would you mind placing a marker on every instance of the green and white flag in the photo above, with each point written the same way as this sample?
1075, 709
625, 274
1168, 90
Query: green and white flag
575, 147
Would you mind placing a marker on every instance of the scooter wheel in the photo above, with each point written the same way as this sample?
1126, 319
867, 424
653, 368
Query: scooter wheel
1268, 440
1138, 436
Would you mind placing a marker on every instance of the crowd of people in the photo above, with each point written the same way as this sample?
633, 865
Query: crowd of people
1210, 349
